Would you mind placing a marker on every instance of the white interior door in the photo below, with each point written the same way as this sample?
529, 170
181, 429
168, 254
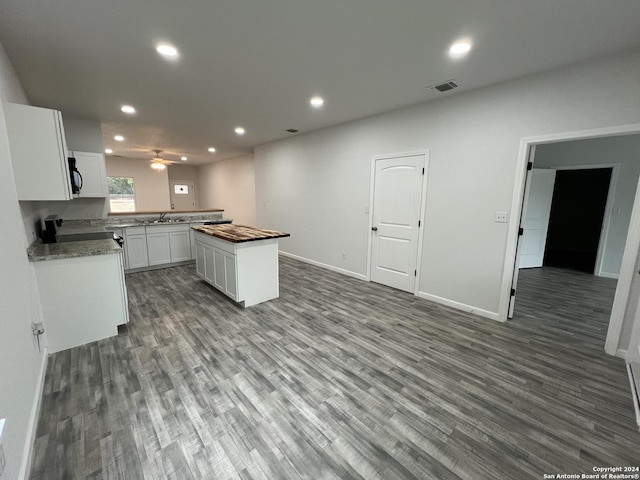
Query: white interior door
182, 195
397, 200
535, 223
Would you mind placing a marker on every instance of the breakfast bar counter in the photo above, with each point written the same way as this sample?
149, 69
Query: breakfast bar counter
240, 261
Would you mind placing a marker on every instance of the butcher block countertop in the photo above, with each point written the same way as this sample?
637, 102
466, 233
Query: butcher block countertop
238, 233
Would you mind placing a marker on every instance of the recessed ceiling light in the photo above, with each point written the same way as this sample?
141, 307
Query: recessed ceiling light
127, 109
459, 48
184, 159
316, 102
108, 151
239, 130
211, 150
167, 50
119, 138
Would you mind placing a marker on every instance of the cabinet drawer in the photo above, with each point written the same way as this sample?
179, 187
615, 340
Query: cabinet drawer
162, 228
135, 231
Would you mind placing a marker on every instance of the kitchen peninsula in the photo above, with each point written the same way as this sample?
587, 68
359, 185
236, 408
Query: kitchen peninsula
240, 261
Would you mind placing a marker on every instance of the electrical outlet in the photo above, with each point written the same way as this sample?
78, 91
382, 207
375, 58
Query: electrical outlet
366, 209
502, 217
344, 255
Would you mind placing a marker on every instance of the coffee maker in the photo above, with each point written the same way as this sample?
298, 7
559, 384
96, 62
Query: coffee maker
51, 224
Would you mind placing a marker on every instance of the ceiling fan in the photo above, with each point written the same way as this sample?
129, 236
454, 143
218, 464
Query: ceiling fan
158, 163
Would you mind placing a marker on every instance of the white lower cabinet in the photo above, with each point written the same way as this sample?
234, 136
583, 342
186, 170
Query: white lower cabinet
135, 246
247, 272
92, 309
158, 248
180, 245
156, 245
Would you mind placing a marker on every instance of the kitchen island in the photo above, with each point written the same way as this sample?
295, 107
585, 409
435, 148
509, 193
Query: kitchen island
240, 261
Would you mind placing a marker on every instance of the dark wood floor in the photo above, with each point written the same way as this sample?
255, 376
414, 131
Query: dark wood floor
340, 379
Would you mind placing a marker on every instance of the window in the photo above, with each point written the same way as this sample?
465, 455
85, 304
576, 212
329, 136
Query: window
121, 194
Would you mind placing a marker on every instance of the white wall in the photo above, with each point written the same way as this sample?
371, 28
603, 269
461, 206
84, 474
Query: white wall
623, 150
20, 361
151, 187
315, 186
230, 185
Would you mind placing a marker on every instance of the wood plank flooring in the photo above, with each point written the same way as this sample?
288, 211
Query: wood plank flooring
340, 379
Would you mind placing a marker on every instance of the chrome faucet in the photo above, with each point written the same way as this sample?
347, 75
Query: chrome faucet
161, 218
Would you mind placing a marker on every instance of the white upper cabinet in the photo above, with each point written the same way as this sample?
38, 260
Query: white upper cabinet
94, 174
38, 152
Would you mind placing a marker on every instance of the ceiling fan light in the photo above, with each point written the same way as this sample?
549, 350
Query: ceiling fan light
158, 167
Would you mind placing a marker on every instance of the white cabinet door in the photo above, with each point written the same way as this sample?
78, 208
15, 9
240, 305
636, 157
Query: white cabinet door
94, 174
209, 266
180, 246
158, 248
219, 278
200, 250
230, 280
38, 152
136, 250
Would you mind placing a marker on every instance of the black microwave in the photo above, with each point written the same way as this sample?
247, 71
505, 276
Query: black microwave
76, 178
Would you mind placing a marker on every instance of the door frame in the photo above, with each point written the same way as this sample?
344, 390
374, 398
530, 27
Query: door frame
608, 208
633, 238
423, 203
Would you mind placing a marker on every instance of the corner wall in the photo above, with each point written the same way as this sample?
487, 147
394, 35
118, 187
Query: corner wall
316, 186
21, 365
230, 185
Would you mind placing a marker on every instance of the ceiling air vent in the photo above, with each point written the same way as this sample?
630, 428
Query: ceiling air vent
444, 86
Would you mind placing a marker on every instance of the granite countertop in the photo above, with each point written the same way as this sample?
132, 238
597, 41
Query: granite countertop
125, 224
239, 233
158, 212
56, 251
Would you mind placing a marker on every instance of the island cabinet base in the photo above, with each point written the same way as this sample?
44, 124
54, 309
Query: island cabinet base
247, 272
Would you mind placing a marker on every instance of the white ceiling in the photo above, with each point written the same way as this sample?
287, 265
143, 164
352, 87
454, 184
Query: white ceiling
256, 63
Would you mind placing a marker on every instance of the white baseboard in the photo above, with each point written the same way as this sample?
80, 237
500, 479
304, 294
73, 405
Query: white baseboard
621, 353
27, 454
460, 306
608, 275
359, 276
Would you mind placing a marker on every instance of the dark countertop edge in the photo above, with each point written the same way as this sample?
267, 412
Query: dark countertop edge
282, 235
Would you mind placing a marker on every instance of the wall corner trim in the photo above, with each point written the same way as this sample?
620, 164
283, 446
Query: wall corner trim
27, 453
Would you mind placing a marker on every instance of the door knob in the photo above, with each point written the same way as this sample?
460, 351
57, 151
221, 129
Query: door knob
375, 229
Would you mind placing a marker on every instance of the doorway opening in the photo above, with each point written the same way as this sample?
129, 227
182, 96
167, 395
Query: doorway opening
576, 218
609, 220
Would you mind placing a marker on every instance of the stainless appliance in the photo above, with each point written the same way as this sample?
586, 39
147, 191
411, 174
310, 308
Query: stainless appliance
76, 177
